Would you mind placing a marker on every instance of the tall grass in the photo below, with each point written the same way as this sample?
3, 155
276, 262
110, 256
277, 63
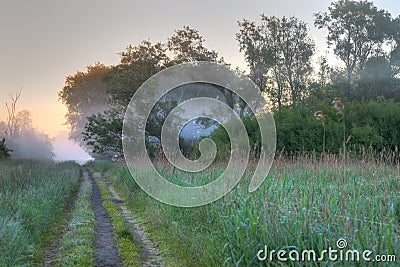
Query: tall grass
32, 195
77, 244
305, 203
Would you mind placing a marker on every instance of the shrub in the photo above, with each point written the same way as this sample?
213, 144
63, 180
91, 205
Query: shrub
4, 151
372, 125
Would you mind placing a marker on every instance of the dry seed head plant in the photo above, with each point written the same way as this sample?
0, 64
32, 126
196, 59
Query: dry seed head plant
319, 115
338, 105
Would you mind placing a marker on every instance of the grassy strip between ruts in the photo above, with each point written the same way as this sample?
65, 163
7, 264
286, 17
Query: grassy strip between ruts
123, 235
49, 244
77, 244
167, 239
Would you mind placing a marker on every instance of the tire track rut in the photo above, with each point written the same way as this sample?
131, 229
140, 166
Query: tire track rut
148, 252
105, 248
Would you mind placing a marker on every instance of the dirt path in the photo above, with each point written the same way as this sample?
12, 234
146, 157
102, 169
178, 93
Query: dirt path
106, 250
149, 255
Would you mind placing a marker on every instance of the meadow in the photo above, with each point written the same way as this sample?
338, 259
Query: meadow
33, 196
305, 203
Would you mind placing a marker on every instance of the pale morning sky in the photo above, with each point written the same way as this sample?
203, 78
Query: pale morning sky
43, 41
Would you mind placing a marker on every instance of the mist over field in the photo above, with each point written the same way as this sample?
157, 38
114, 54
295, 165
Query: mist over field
66, 149
209, 133
31, 145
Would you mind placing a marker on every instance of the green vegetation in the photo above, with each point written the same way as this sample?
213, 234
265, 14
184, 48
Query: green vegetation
32, 196
77, 244
83, 94
278, 52
4, 151
303, 204
336, 173
372, 127
96, 100
123, 235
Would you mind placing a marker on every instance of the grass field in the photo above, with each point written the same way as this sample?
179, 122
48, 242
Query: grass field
32, 197
303, 204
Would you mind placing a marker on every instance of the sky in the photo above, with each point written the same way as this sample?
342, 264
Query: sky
43, 41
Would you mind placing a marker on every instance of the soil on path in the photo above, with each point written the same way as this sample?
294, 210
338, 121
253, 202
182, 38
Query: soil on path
105, 248
149, 254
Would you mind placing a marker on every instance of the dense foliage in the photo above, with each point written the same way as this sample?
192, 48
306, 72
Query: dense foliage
371, 126
278, 52
83, 95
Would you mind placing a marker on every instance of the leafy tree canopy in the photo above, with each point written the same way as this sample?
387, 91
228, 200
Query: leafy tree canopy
356, 30
83, 95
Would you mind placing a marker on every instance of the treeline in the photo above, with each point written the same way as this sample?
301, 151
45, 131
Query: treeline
279, 53
366, 40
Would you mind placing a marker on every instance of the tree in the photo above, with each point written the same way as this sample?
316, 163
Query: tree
254, 43
24, 120
394, 60
137, 64
102, 133
322, 86
356, 29
12, 127
84, 94
294, 50
324, 71
24, 141
187, 45
279, 50
376, 79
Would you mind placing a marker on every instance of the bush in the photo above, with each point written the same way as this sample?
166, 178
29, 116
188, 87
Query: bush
4, 151
372, 125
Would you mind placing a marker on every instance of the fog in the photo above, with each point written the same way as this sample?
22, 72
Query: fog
30, 144
65, 149
36, 145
